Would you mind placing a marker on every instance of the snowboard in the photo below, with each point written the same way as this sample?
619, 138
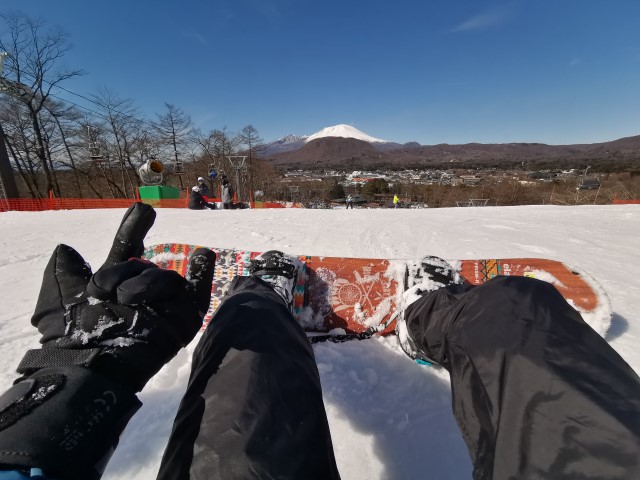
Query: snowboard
356, 295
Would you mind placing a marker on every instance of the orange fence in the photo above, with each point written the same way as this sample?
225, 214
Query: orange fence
267, 205
41, 204
258, 204
52, 203
621, 201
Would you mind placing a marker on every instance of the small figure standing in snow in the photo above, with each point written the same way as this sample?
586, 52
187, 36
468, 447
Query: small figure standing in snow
349, 202
227, 194
396, 201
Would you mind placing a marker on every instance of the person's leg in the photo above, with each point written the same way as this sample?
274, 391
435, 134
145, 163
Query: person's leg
536, 392
253, 407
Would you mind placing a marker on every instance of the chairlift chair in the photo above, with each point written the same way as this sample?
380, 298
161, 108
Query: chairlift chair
94, 152
94, 147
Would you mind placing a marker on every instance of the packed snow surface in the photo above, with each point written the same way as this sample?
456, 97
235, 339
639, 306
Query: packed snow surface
389, 418
344, 131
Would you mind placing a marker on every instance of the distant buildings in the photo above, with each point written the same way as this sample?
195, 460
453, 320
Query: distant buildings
453, 177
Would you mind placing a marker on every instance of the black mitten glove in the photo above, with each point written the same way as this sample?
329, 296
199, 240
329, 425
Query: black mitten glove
104, 336
129, 318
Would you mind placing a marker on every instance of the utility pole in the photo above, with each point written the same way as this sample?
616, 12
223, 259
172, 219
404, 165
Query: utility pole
8, 187
238, 163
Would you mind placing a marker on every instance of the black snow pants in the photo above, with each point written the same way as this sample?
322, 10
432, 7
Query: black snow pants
537, 393
253, 407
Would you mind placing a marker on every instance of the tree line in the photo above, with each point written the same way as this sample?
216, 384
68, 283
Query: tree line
58, 146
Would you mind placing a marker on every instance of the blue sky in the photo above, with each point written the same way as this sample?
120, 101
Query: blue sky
438, 71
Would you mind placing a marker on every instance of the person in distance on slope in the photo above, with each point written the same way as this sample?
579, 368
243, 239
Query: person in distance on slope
227, 194
536, 392
197, 201
349, 202
396, 201
253, 406
204, 188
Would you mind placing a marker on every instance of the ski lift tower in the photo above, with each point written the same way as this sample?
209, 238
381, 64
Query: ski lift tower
238, 162
294, 190
8, 187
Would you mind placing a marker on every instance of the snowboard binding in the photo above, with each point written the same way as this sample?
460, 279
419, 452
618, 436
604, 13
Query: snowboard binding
278, 270
426, 275
429, 274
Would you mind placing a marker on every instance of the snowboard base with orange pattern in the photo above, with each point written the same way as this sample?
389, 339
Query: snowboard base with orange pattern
354, 294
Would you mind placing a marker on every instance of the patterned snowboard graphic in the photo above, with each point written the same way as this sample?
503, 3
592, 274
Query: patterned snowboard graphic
229, 264
576, 286
354, 294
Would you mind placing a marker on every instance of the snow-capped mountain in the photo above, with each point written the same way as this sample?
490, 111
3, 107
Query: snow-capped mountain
294, 142
289, 139
284, 144
344, 131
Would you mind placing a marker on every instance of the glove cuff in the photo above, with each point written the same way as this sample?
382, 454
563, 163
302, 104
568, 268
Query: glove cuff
64, 420
55, 357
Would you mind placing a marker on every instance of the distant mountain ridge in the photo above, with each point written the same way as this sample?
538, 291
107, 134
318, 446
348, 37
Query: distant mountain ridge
295, 142
284, 144
346, 146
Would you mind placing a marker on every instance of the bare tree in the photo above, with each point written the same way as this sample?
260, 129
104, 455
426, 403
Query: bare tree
249, 136
217, 145
69, 122
174, 130
33, 66
20, 143
123, 135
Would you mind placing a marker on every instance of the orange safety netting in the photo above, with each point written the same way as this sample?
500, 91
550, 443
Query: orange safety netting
41, 204
259, 204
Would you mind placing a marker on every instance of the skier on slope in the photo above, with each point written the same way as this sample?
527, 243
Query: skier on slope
550, 399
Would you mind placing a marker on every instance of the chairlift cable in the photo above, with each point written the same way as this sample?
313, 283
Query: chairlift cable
145, 122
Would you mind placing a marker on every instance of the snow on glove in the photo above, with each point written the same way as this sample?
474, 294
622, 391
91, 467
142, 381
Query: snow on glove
104, 335
129, 318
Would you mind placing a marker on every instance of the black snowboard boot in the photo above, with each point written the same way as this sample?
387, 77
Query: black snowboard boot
430, 273
423, 276
278, 270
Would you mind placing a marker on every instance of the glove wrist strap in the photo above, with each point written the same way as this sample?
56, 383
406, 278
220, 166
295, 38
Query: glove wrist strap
55, 357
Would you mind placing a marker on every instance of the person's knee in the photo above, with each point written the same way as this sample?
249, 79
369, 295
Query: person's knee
516, 304
520, 288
